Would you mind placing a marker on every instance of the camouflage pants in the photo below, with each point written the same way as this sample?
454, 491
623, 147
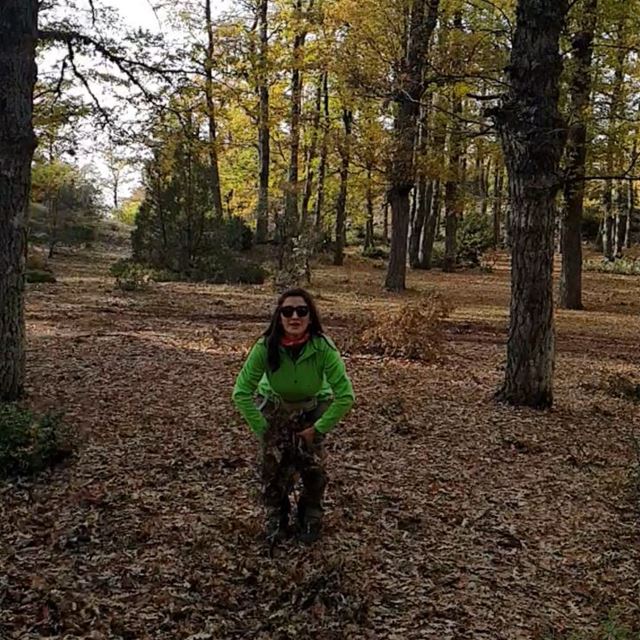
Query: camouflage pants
284, 454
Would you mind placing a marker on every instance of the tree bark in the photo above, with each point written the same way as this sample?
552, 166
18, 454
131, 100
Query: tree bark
533, 136
402, 173
422, 197
324, 153
431, 226
311, 153
631, 208
264, 133
452, 199
341, 206
291, 211
216, 195
498, 183
368, 234
576, 154
608, 230
18, 35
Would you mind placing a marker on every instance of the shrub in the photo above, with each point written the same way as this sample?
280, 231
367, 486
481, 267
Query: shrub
475, 236
620, 266
130, 275
238, 234
376, 253
35, 276
413, 331
29, 443
227, 269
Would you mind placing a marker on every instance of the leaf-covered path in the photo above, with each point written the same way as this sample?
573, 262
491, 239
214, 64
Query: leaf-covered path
449, 516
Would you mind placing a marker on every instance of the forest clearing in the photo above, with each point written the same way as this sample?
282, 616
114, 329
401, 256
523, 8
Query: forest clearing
448, 515
319, 319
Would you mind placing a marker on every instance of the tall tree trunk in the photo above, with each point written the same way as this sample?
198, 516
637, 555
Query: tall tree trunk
435, 201
484, 192
18, 34
608, 231
368, 233
421, 198
498, 184
264, 133
407, 97
576, 157
291, 211
312, 152
216, 195
385, 220
341, 206
621, 218
532, 132
631, 209
453, 201
431, 226
324, 152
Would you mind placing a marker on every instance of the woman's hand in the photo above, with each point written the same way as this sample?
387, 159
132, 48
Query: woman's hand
308, 435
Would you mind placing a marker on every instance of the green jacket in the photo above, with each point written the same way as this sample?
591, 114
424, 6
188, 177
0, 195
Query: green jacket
318, 371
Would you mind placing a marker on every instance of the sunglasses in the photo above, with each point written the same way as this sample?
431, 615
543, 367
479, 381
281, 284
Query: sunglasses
301, 311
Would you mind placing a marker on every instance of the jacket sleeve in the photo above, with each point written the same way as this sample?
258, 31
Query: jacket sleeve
246, 385
343, 396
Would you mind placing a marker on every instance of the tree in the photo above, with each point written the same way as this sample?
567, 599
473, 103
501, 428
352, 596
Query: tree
18, 38
213, 143
407, 96
533, 137
264, 140
341, 205
576, 154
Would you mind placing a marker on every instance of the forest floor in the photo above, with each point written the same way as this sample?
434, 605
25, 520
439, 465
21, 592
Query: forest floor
448, 515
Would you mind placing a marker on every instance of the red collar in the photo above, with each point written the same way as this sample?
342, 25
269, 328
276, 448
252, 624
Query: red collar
294, 342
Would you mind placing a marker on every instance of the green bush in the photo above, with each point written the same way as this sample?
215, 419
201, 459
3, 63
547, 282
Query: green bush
475, 236
227, 269
238, 234
30, 443
131, 276
620, 266
35, 276
376, 253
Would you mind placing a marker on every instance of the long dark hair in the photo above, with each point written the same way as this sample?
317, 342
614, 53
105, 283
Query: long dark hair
275, 330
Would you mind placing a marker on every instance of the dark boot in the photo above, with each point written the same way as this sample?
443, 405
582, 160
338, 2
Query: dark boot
309, 522
277, 527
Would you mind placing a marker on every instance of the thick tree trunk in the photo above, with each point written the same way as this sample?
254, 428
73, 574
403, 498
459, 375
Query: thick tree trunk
18, 33
402, 174
533, 137
264, 143
385, 220
211, 115
576, 154
341, 205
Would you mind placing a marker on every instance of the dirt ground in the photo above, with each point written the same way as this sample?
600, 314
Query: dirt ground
448, 515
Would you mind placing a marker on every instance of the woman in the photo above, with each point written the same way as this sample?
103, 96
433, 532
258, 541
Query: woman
292, 390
